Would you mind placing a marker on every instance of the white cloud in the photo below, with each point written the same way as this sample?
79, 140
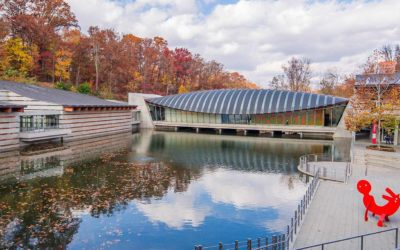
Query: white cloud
176, 209
255, 37
256, 192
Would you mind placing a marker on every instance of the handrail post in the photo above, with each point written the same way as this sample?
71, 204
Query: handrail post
236, 245
249, 244
362, 242
298, 215
397, 238
220, 246
274, 242
291, 229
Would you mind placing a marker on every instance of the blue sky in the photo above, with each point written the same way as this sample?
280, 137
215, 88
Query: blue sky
255, 37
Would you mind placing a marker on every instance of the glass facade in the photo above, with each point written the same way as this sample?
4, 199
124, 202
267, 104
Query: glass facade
328, 117
39, 122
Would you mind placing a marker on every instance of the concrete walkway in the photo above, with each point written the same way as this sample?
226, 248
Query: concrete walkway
337, 210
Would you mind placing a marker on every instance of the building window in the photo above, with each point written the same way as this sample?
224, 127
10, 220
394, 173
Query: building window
39, 122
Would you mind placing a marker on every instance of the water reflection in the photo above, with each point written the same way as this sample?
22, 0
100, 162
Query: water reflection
151, 190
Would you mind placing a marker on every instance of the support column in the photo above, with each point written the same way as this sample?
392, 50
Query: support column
197, 130
219, 131
176, 129
245, 132
301, 135
396, 136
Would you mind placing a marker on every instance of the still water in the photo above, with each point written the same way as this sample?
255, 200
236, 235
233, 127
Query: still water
153, 190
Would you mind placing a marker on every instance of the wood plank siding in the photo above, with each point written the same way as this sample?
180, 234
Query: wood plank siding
9, 131
89, 124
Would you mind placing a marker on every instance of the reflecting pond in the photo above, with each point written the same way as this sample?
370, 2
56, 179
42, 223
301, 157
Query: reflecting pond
153, 190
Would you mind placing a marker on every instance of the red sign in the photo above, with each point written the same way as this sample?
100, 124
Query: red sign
374, 133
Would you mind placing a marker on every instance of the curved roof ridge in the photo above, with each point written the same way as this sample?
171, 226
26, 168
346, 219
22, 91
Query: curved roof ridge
272, 101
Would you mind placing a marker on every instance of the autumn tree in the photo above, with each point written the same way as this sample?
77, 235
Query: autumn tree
18, 60
112, 64
278, 82
38, 22
329, 82
296, 75
345, 88
79, 46
4, 29
182, 59
375, 98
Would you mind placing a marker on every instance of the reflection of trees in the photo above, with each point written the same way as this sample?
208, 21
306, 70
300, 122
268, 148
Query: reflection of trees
43, 213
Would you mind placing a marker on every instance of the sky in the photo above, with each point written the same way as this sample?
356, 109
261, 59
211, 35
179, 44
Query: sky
256, 37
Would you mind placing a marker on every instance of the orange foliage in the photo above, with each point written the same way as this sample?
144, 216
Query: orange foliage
111, 62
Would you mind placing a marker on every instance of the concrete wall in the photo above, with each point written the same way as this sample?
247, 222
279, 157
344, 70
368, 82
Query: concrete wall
341, 131
9, 131
138, 99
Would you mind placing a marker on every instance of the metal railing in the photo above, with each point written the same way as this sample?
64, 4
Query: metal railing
339, 172
361, 237
299, 214
276, 242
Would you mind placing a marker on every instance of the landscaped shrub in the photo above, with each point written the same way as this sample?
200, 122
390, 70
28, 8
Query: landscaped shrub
84, 88
63, 86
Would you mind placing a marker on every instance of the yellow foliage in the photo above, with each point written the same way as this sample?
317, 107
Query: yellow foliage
105, 92
182, 89
63, 64
17, 59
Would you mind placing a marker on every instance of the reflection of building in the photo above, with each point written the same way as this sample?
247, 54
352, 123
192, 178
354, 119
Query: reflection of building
245, 109
14, 166
239, 153
36, 114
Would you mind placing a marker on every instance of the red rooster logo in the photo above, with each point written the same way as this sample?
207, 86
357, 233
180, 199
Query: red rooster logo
393, 204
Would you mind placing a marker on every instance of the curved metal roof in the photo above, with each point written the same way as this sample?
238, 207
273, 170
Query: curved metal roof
245, 101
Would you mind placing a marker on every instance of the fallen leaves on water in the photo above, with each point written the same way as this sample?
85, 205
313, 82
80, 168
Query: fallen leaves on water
46, 213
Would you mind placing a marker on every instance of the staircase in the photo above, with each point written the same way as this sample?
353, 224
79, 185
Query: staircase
368, 158
382, 159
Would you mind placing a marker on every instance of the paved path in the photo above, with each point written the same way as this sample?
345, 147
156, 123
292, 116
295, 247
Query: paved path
337, 210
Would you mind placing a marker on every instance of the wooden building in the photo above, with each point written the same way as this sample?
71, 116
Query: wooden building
53, 114
9, 125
